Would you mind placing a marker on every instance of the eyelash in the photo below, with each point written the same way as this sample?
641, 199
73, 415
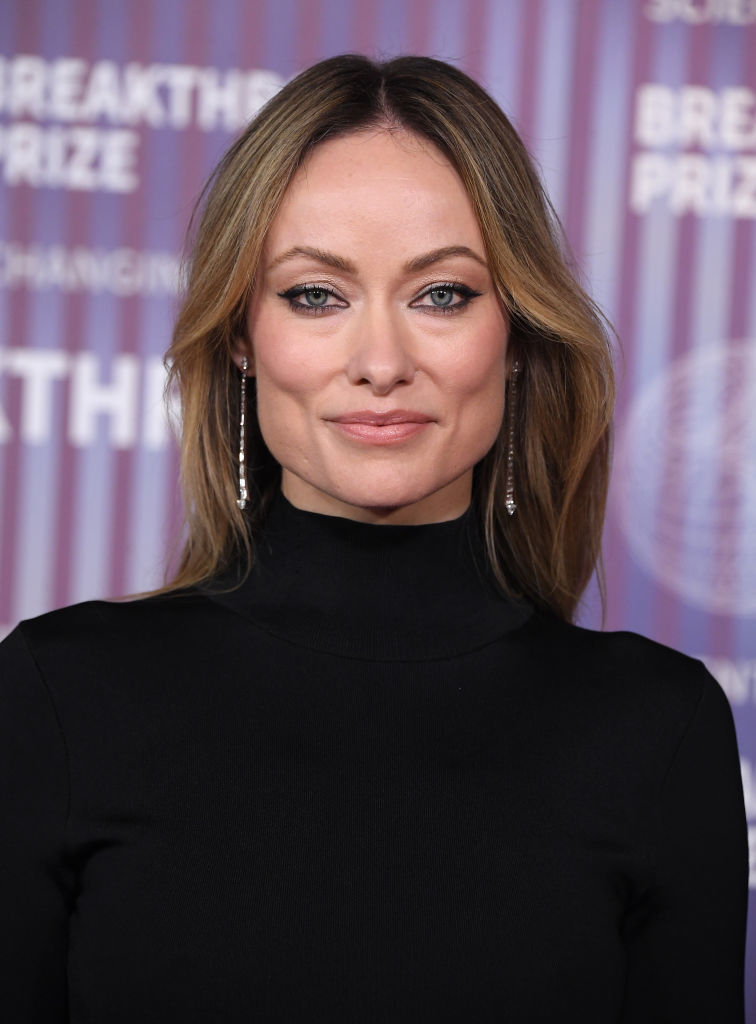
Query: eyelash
467, 295
292, 294
303, 289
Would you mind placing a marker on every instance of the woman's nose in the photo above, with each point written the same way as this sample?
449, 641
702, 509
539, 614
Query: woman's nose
380, 355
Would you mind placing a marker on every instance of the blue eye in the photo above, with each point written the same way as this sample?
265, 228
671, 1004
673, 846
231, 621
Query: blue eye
316, 296
312, 299
445, 297
441, 296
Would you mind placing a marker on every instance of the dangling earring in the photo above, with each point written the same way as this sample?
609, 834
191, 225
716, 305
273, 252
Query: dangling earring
509, 498
241, 501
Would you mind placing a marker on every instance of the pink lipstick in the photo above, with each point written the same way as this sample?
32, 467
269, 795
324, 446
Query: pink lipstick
381, 428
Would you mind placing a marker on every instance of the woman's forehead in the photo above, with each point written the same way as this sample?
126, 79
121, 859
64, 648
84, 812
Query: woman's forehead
374, 186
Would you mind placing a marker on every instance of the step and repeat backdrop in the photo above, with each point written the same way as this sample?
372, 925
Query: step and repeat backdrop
642, 117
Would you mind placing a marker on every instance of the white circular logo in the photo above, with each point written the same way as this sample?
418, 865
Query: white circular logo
685, 478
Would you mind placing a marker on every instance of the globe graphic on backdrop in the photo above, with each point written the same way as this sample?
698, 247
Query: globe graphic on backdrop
685, 478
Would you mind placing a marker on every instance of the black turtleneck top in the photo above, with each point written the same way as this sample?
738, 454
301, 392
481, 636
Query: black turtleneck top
363, 787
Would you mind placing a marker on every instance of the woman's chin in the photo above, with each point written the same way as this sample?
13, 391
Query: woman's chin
389, 503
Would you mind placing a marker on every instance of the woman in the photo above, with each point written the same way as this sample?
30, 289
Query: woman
356, 764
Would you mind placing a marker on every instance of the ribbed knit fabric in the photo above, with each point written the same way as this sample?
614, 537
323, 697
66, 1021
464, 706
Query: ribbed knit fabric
363, 787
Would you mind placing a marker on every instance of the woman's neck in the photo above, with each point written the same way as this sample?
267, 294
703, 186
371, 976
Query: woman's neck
392, 592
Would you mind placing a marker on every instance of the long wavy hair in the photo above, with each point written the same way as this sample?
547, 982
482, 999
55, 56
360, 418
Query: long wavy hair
546, 552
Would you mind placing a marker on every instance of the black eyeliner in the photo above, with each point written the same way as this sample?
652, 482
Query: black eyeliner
463, 290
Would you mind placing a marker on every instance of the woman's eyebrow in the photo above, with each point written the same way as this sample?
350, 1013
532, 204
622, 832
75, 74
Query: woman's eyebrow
412, 266
330, 259
436, 255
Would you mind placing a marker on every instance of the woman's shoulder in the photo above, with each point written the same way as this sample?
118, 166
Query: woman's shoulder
626, 667
616, 649
108, 626
631, 706
97, 659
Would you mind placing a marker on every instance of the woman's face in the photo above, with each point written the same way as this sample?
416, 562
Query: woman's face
376, 337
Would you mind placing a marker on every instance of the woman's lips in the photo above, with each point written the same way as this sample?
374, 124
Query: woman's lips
381, 427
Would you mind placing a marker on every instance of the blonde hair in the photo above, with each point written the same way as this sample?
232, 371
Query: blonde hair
545, 553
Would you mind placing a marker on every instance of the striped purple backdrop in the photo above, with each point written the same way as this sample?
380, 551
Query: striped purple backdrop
642, 117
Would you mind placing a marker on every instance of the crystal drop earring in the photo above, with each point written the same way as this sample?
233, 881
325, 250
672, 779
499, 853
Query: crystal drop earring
509, 497
243, 495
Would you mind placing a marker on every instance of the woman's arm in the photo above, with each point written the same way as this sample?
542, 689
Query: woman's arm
686, 938
34, 883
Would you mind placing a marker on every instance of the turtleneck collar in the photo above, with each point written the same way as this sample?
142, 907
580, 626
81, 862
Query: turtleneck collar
358, 590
